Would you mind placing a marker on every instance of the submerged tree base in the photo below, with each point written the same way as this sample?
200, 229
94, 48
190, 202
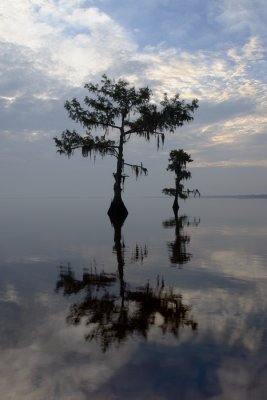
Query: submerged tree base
175, 207
117, 211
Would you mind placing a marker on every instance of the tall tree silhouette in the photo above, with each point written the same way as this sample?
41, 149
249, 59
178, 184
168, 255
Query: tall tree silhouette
117, 106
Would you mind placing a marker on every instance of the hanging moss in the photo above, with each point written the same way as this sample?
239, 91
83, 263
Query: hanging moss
117, 106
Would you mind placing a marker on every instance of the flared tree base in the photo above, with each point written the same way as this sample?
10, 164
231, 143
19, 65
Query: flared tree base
117, 212
175, 206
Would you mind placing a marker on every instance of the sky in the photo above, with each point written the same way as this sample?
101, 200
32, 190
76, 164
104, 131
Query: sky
207, 49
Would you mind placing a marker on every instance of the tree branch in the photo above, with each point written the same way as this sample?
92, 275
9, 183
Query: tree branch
137, 168
71, 141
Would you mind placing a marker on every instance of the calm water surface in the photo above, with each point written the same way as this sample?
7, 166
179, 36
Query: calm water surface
160, 308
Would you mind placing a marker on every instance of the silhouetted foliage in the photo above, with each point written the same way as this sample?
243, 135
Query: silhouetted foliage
113, 310
178, 163
117, 106
112, 316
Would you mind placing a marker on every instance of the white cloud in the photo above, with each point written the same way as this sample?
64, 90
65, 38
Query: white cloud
209, 75
49, 49
64, 40
237, 16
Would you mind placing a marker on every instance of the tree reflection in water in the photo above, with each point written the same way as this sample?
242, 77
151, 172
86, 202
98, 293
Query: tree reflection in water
114, 310
179, 247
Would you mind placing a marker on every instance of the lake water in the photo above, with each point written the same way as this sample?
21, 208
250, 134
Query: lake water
160, 308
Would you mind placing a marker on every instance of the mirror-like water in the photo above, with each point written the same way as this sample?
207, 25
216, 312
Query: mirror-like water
162, 307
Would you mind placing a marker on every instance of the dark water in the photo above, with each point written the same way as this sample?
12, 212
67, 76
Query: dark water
160, 308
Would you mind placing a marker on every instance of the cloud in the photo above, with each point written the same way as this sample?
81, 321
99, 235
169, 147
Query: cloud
64, 40
241, 16
210, 75
49, 49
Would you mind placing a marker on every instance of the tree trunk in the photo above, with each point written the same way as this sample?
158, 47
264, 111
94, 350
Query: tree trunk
175, 205
117, 208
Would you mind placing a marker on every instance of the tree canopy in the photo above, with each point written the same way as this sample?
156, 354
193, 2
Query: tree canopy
117, 106
178, 164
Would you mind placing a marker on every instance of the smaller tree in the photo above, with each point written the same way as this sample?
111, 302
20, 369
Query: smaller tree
116, 106
178, 163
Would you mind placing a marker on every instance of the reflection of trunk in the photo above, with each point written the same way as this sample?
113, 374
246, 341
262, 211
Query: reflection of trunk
178, 248
117, 223
112, 316
119, 248
117, 207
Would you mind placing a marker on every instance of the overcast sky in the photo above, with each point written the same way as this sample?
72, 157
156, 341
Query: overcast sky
207, 49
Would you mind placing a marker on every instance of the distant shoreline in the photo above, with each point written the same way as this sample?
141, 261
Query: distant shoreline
59, 197
241, 196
